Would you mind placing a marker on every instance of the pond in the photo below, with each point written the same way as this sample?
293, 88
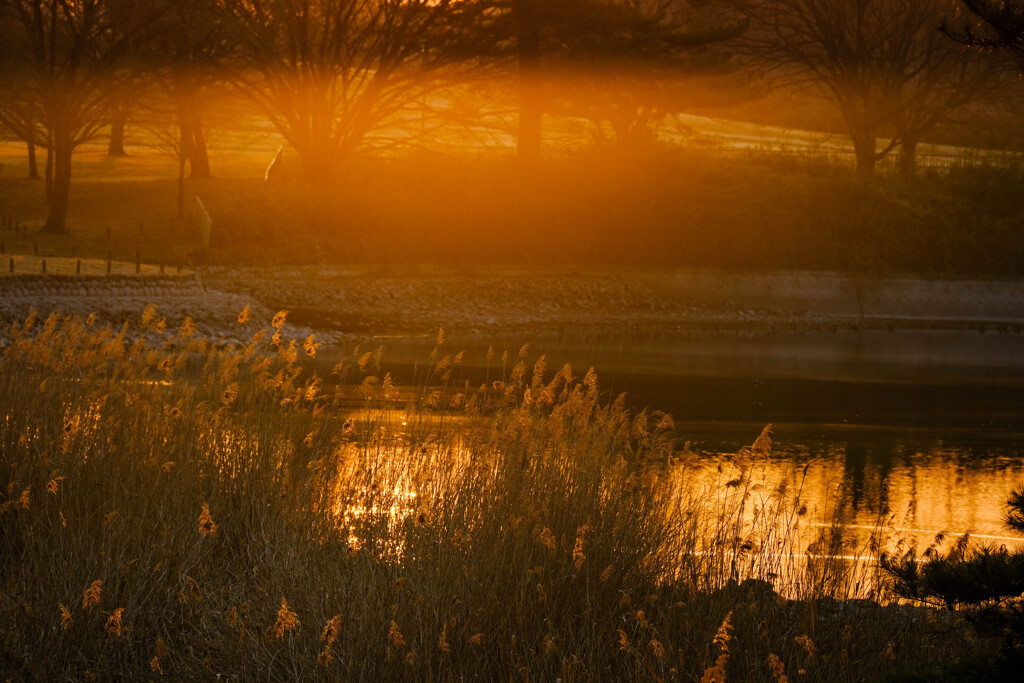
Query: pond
922, 429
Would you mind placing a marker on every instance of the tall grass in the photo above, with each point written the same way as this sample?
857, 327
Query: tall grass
173, 508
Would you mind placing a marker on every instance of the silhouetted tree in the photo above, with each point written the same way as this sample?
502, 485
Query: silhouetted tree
986, 582
942, 78
65, 64
1001, 26
529, 19
883, 62
331, 73
160, 120
21, 118
524, 35
577, 48
118, 123
639, 60
186, 61
19, 106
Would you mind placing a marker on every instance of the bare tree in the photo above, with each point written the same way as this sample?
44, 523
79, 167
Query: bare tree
883, 62
19, 107
638, 61
186, 59
527, 35
119, 108
997, 24
529, 19
66, 65
615, 54
160, 119
943, 79
19, 114
329, 74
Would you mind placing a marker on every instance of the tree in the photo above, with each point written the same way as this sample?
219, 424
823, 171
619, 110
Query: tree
940, 79
21, 118
66, 63
541, 29
641, 60
19, 108
186, 61
526, 35
985, 581
1001, 26
119, 107
563, 50
883, 62
166, 134
331, 73
529, 18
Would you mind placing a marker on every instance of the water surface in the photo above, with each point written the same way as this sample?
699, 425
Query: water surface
920, 429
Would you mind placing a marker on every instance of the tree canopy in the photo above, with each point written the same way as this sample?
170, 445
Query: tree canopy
884, 63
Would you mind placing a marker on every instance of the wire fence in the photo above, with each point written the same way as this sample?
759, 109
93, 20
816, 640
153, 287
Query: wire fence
887, 164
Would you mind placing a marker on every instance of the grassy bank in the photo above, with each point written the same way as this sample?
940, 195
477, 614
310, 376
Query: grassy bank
668, 208
174, 509
674, 209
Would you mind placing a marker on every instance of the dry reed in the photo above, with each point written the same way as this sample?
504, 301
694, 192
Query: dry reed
528, 530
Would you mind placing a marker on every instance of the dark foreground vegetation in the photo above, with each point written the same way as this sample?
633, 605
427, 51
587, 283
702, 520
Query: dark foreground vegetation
174, 509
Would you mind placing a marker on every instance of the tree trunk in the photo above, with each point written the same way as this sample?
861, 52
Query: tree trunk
908, 157
117, 124
193, 140
861, 129
56, 221
531, 106
33, 166
864, 145
531, 114
199, 162
181, 185
48, 184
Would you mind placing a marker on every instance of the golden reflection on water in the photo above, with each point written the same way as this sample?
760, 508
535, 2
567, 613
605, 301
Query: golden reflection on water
783, 504
381, 480
908, 495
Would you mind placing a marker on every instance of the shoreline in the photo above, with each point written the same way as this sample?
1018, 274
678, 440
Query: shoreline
339, 304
